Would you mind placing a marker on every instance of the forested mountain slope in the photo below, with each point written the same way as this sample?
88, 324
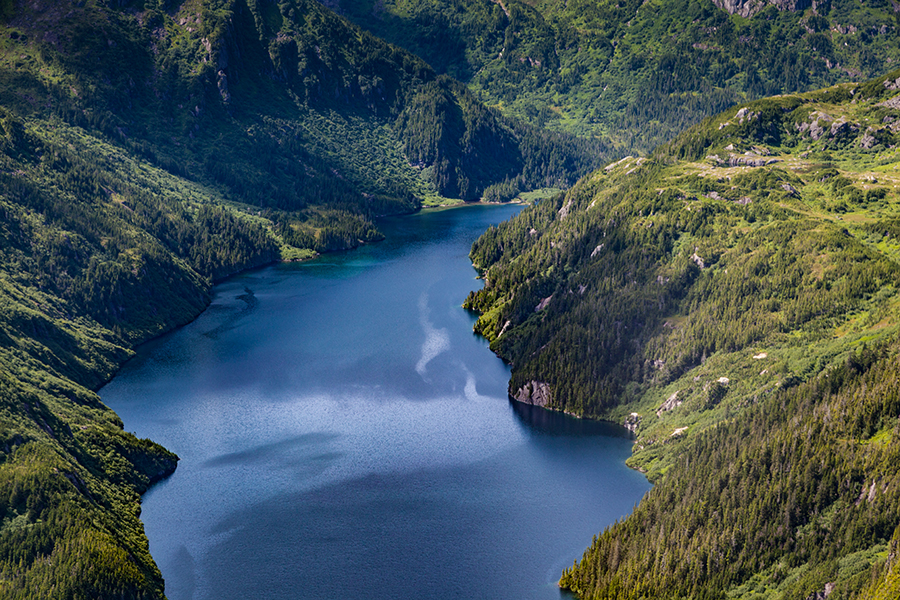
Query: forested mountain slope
285, 105
99, 252
733, 299
148, 149
634, 71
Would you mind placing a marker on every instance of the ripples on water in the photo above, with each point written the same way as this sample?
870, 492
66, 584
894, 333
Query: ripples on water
343, 434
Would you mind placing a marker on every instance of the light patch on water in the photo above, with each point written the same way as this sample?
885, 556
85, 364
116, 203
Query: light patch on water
471, 389
436, 341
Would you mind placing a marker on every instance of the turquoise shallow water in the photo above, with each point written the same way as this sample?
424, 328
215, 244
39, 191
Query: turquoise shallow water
344, 434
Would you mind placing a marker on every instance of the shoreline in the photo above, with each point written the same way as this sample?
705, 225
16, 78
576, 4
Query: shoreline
616, 430
463, 204
137, 347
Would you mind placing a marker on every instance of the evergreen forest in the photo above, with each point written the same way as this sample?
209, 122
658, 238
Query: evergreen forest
149, 149
636, 72
731, 299
719, 272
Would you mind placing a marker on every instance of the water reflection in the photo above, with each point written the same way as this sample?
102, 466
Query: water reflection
344, 435
235, 314
307, 444
550, 422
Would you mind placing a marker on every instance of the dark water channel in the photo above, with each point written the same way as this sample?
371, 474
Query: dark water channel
343, 434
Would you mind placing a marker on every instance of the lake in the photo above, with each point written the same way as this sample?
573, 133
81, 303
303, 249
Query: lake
343, 434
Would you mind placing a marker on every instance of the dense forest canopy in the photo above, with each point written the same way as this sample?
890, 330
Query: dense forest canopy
151, 148
731, 299
730, 296
636, 72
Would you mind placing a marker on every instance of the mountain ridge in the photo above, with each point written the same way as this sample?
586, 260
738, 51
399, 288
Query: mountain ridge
252, 131
149, 149
636, 73
731, 300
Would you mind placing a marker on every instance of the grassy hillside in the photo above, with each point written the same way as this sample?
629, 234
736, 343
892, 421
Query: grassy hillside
99, 252
732, 299
150, 148
636, 72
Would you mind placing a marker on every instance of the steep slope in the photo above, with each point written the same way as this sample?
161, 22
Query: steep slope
148, 149
99, 252
637, 72
732, 299
286, 105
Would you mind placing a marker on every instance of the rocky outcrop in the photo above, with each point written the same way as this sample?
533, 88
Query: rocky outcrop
868, 141
750, 160
748, 8
868, 493
698, 260
791, 190
822, 125
543, 303
747, 159
893, 103
222, 85
822, 595
842, 128
669, 404
816, 126
742, 116
632, 422
536, 393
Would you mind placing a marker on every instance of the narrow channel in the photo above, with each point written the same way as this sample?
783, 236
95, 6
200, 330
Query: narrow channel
343, 434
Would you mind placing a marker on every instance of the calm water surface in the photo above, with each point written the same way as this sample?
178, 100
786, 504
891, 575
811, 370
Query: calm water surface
343, 434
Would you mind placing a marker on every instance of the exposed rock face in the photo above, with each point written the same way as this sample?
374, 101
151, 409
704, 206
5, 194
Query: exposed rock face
822, 125
791, 189
868, 493
698, 259
815, 126
534, 392
222, 85
503, 330
868, 141
891, 102
543, 303
829, 587
632, 422
748, 8
748, 159
745, 8
669, 404
612, 166
743, 116
746, 115
842, 128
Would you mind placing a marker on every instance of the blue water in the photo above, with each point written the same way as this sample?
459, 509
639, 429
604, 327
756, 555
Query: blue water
343, 434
